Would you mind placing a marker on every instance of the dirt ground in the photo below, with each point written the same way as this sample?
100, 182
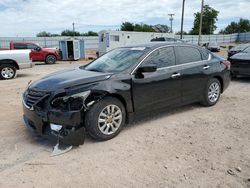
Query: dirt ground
192, 146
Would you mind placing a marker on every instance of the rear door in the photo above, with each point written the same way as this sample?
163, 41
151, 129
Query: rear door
194, 72
76, 47
160, 88
20, 46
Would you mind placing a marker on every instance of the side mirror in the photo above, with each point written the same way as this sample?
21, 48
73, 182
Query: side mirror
147, 69
38, 48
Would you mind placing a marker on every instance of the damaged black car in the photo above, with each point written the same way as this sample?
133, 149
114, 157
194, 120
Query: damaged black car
100, 97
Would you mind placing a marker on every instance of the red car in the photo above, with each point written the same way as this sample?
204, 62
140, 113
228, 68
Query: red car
48, 55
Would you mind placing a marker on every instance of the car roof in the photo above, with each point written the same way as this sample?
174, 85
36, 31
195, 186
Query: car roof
153, 45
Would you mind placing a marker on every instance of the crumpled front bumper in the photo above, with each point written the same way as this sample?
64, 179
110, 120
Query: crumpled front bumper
72, 132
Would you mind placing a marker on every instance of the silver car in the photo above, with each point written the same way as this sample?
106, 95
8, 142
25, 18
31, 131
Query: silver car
13, 60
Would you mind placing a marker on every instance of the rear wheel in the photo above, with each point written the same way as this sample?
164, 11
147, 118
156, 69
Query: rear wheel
212, 92
105, 119
7, 71
50, 59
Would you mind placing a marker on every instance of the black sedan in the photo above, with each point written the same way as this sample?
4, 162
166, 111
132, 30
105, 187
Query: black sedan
241, 63
105, 94
237, 49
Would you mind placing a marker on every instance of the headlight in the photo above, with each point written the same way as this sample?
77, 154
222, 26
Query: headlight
72, 102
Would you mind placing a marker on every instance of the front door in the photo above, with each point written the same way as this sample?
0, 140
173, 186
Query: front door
160, 88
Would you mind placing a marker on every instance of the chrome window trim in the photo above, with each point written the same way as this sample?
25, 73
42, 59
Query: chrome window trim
209, 58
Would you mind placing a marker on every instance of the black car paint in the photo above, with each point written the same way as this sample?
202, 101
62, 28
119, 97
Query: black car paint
240, 64
138, 93
236, 49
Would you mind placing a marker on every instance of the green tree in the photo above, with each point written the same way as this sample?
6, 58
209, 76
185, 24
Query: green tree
208, 23
70, 33
127, 26
143, 28
179, 33
43, 34
243, 25
90, 33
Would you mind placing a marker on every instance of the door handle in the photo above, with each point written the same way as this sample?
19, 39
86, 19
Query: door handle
175, 75
206, 67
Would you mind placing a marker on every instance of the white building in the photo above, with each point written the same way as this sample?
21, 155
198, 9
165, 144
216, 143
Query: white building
109, 40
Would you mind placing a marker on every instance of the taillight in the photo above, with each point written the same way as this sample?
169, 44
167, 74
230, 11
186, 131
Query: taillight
227, 64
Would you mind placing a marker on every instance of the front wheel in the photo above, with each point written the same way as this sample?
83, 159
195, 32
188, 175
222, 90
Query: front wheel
105, 119
50, 59
7, 72
212, 92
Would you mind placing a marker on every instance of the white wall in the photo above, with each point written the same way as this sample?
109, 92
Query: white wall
126, 38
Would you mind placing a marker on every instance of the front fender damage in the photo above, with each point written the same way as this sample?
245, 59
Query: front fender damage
72, 133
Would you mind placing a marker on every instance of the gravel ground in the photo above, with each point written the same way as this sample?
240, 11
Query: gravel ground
192, 146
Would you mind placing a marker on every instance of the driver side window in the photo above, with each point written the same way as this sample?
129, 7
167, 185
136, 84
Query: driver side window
163, 57
31, 46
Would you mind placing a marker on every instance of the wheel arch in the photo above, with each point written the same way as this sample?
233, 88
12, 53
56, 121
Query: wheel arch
221, 82
11, 62
50, 54
117, 96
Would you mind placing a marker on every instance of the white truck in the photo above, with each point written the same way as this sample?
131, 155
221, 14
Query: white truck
13, 60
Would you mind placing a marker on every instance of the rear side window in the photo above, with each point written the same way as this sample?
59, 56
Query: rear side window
20, 46
187, 54
204, 54
163, 57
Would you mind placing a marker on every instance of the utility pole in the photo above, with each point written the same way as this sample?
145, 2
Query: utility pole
73, 24
182, 17
171, 21
200, 29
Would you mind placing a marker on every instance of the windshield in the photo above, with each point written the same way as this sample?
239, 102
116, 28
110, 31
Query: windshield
240, 47
247, 50
116, 60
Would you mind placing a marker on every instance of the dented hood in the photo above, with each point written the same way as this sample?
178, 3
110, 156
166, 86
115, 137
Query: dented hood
68, 78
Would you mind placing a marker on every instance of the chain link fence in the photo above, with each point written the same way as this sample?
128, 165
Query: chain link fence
91, 43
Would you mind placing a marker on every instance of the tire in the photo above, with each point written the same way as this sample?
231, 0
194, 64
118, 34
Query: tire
212, 92
7, 72
50, 59
101, 128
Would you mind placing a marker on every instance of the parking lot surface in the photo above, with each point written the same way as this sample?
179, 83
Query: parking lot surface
191, 146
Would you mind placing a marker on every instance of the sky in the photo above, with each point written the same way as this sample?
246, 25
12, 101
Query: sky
28, 17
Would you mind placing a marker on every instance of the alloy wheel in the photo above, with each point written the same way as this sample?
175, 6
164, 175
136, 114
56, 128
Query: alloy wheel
51, 59
110, 119
214, 92
7, 72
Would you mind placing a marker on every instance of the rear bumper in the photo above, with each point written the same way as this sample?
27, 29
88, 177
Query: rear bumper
226, 80
240, 71
72, 132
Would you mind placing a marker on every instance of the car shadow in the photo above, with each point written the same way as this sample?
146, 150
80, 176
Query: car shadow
40, 64
21, 75
158, 114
